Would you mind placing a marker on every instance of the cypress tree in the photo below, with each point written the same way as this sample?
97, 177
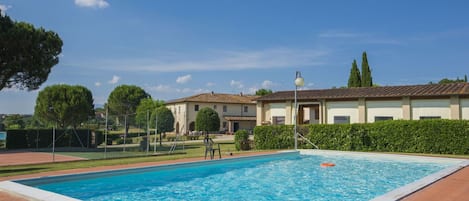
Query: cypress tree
465, 78
366, 81
354, 79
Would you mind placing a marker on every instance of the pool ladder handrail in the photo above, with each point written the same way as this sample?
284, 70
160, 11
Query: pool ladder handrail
306, 139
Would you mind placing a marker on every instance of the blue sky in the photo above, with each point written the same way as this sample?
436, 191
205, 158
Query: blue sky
178, 48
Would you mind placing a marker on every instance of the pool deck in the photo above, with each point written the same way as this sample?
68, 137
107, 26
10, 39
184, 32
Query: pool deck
454, 187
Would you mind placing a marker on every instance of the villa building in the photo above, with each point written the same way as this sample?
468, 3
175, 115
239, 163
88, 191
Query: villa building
366, 105
236, 111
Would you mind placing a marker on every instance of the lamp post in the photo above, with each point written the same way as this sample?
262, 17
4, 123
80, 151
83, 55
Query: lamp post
299, 82
51, 109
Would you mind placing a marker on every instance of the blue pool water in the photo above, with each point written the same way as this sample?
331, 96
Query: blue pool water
286, 177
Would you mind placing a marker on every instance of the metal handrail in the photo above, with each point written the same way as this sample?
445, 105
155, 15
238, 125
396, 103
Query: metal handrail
299, 134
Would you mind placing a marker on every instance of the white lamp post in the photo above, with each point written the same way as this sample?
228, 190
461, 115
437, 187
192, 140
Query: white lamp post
299, 82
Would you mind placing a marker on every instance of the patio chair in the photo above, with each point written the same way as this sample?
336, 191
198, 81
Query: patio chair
210, 148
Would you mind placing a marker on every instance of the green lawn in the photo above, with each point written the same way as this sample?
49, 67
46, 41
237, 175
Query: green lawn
128, 157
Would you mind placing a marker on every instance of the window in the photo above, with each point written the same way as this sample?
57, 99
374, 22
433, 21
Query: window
196, 107
429, 117
225, 108
341, 119
215, 107
278, 120
383, 118
246, 108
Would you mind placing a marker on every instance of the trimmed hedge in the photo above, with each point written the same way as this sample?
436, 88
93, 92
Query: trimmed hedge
42, 138
241, 140
424, 136
274, 137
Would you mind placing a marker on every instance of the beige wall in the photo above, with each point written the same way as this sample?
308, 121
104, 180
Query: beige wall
434, 107
342, 108
366, 111
383, 108
464, 103
185, 113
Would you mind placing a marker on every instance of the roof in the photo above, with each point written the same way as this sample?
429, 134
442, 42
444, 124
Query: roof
217, 98
428, 90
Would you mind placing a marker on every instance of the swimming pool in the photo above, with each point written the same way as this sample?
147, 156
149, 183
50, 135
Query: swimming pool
283, 176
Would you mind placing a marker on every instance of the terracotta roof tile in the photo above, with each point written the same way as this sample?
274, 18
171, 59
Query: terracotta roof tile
217, 98
374, 92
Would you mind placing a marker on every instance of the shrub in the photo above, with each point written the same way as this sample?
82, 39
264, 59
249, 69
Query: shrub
241, 139
273, 137
437, 136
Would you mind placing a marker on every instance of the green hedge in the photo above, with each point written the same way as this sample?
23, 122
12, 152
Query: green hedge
42, 138
424, 136
274, 137
241, 140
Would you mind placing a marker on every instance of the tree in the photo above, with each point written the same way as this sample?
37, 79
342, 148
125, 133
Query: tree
263, 92
207, 120
27, 54
354, 79
367, 80
147, 105
64, 105
165, 120
124, 100
14, 121
446, 80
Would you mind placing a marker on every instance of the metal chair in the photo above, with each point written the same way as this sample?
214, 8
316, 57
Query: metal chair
209, 148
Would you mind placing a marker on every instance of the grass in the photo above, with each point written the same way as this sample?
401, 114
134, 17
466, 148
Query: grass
190, 151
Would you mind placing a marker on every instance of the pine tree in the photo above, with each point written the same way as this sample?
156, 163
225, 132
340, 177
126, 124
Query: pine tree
354, 79
367, 80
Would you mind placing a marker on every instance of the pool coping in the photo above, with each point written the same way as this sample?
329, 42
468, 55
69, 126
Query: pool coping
399, 193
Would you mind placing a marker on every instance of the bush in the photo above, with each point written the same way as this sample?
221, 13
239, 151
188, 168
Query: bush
437, 136
241, 139
273, 137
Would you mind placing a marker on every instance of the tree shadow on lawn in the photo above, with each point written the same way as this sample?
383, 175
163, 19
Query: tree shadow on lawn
26, 169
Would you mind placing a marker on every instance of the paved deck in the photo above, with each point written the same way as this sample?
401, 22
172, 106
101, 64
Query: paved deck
455, 187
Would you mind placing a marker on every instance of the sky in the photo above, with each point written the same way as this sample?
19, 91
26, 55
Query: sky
178, 48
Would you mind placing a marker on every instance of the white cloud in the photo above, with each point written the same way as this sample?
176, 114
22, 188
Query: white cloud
92, 3
4, 8
267, 84
218, 60
183, 79
114, 79
161, 88
98, 84
236, 84
192, 91
360, 37
210, 84
252, 90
